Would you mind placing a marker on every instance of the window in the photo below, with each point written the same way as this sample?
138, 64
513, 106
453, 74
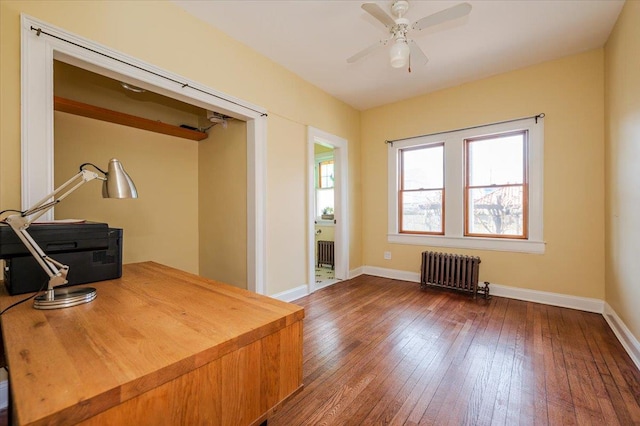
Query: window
325, 174
324, 189
421, 193
496, 186
478, 188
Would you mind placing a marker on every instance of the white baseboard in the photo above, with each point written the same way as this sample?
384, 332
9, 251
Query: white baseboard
555, 299
547, 298
293, 294
356, 272
626, 338
394, 274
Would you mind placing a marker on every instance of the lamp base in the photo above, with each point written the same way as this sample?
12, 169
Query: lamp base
65, 298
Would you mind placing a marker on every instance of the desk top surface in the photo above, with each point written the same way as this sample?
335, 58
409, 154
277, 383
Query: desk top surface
152, 325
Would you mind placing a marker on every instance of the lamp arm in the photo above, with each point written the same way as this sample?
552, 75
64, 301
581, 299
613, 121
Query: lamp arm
42, 206
17, 224
56, 271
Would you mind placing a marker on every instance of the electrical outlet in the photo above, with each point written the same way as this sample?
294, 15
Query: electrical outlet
387, 255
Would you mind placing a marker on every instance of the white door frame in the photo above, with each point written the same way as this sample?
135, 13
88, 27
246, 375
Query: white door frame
341, 208
38, 52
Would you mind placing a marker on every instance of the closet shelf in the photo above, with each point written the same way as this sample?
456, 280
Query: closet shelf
90, 111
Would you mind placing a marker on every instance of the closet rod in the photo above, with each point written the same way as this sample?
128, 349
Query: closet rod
41, 31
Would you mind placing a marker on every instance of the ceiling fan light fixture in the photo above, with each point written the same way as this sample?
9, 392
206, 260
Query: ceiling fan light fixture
399, 53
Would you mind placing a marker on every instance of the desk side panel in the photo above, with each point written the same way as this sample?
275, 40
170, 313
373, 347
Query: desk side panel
240, 388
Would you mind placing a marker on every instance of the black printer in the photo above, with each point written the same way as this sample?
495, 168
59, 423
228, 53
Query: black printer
93, 252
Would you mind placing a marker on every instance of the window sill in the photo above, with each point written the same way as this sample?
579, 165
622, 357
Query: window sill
477, 243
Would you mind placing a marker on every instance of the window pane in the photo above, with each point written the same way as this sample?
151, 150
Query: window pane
324, 201
326, 174
496, 161
496, 211
422, 211
423, 168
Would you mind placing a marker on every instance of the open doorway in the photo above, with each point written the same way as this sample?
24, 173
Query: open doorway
211, 145
324, 171
328, 214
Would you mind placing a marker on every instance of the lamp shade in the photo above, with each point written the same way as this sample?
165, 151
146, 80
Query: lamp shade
118, 184
399, 53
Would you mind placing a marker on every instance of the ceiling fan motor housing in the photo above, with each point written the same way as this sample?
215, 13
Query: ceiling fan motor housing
401, 28
400, 7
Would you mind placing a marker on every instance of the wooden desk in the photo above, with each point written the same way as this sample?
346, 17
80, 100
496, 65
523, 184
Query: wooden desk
158, 346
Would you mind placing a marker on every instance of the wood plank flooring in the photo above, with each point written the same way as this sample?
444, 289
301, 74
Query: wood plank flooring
380, 351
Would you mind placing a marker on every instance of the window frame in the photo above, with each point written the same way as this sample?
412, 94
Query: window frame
318, 160
322, 163
454, 185
401, 189
524, 185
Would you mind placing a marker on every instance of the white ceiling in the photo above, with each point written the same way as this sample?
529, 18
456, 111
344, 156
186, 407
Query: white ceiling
313, 39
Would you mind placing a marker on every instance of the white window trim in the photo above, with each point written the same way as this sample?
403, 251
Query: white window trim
454, 190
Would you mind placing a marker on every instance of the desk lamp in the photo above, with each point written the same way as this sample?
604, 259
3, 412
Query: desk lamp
116, 184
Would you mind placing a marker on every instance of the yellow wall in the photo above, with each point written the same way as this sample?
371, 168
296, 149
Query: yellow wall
622, 72
222, 165
164, 169
570, 92
140, 29
287, 206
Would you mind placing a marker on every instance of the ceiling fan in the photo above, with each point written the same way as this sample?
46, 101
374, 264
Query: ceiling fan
404, 49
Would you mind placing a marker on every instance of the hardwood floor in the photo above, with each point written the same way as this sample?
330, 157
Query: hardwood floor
380, 351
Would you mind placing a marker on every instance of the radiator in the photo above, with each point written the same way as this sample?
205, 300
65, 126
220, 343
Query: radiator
326, 253
452, 271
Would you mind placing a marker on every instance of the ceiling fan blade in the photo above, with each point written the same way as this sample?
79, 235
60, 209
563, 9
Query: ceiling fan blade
367, 51
417, 55
375, 11
454, 12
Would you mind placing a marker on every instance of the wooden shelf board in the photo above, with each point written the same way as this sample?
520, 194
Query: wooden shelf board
98, 113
